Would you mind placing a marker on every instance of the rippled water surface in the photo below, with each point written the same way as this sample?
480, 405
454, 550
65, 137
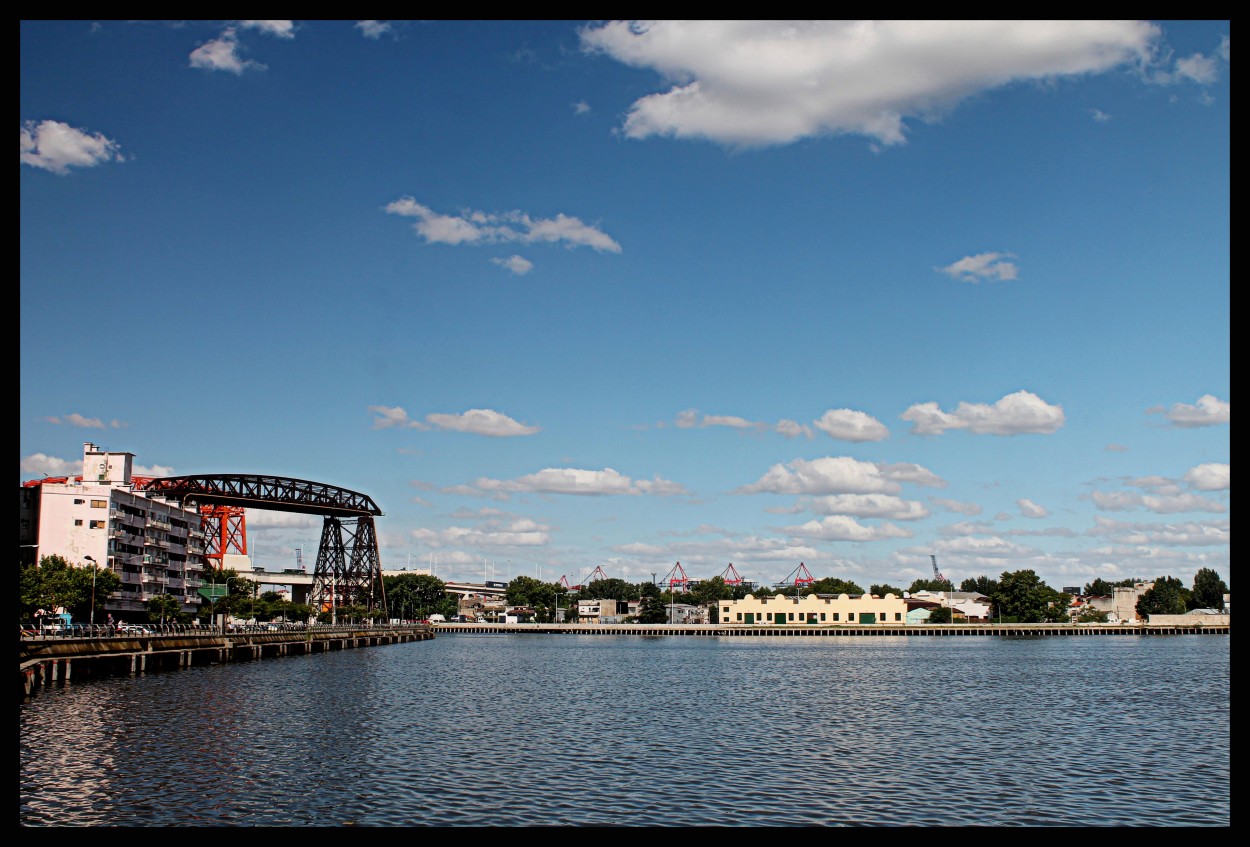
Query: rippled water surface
548, 730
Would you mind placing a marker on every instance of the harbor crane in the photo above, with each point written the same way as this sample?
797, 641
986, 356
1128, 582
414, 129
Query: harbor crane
677, 576
937, 574
731, 575
799, 576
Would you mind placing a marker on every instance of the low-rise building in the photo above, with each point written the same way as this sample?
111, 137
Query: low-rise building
784, 610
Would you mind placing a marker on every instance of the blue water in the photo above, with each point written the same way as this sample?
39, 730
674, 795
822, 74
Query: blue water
550, 730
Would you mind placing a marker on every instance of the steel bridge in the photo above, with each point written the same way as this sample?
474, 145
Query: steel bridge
348, 570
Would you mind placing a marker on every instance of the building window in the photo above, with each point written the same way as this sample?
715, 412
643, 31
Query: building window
78, 501
99, 504
99, 524
77, 521
792, 616
898, 616
850, 617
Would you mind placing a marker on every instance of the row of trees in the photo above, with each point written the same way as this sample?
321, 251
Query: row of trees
1017, 596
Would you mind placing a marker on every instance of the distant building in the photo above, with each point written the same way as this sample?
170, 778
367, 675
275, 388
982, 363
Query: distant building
602, 611
154, 546
1121, 607
782, 610
971, 606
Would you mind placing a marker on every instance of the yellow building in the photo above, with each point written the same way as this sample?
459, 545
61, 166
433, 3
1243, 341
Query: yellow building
781, 610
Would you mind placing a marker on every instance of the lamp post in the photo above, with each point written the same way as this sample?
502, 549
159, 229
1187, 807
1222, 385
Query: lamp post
93, 573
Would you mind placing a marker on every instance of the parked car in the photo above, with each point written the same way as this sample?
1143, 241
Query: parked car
135, 629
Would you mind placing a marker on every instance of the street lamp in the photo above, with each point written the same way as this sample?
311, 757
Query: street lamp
93, 573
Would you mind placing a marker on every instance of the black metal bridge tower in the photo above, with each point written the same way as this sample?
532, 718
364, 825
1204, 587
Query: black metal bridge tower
349, 570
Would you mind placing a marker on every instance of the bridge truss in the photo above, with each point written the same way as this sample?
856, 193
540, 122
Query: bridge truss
349, 568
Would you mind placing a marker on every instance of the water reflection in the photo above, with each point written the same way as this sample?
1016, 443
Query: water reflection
534, 730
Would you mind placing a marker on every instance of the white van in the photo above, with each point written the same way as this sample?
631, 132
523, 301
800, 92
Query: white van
437, 619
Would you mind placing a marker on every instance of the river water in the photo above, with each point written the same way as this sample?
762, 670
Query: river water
552, 730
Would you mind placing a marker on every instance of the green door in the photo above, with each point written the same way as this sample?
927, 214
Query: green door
750, 617
779, 617
867, 617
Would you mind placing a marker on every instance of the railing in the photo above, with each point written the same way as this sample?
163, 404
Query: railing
173, 629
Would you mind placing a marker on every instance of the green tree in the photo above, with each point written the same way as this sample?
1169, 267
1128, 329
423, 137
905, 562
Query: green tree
413, 595
609, 589
931, 585
164, 608
55, 583
653, 608
1022, 597
1209, 590
1091, 615
1102, 588
1168, 596
882, 590
710, 591
979, 585
942, 614
831, 585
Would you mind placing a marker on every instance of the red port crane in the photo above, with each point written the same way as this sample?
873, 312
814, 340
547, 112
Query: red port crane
677, 576
731, 575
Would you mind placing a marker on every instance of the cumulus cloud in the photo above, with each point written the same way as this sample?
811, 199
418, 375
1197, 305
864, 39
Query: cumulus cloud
581, 107
55, 146
75, 419
473, 227
1162, 504
1029, 509
1196, 68
868, 506
40, 463
1209, 477
476, 421
519, 265
280, 29
1208, 411
773, 82
957, 506
481, 422
850, 425
981, 267
1192, 533
222, 54
373, 29
1016, 414
497, 531
828, 475
843, 528
910, 472
689, 419
793, 429
577, 481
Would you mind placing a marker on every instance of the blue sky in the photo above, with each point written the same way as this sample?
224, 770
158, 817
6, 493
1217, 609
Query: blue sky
564, 295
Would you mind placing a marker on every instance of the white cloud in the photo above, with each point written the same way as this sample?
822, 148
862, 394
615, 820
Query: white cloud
578, 481
49, 465
956, 506
793, 429
373, 29
55, 146
477, 421
689, 419
910, 472
222, 54
1226, 48
152, 470
1204, 533
773, 82
829, 475
1099, 115
473, 227
280, 29
519, 265
1197, 68
391, 416
1162, 504
850, 425
983, 266
843, 528
1029, 509
1208, 411
75, 419
1209, 477
481, 422
581, 107
1015, 414
868, 506
500, 531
